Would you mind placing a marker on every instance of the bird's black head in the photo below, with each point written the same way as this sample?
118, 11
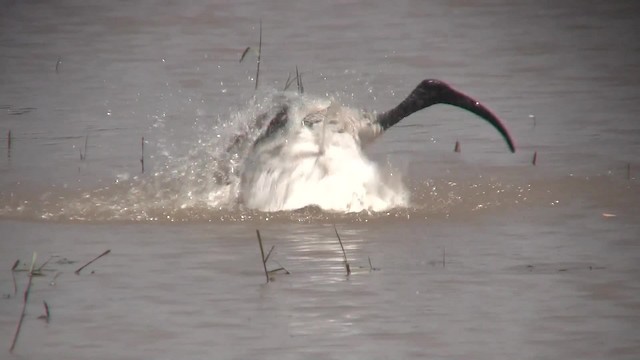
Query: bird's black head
430, 92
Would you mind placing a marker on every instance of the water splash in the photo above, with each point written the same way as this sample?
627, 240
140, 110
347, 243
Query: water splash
313, 168
307, 163
224, 175
317, 159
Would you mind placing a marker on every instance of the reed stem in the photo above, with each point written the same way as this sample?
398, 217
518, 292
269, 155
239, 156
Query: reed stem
346, 262
13, 276
264, 263
24, 304
77, 272
259, 54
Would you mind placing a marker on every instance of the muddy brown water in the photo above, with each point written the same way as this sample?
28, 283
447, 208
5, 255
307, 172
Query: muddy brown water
494, 258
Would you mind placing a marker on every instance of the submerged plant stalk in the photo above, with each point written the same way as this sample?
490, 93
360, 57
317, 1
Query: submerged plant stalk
346, 263
264, 263
444, 254
89, 263
24, 304
13, 276
259, 53
59, 64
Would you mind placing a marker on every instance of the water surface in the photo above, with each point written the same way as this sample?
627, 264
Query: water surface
540, 262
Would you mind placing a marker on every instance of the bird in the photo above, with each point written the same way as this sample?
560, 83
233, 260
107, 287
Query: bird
429, 92
304, 143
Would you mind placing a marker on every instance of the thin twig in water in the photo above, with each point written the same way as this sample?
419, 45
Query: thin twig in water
94, 259
83, 156
259, 53
46, 310
24, 304
535, 158
46, 315
269, 253
457, 147
13, 276
288, 82
244, 53
371, 268
264, 263
9, 144
59, 65
299, 81
39, 270
444, 252
346, 263
282, 268
142, 156
266, 258
53, 282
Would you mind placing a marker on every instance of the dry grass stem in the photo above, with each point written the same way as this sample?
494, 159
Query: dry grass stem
269, 253
53, 282
59, 65
77, 272
281, 268
264, 263
13, 276
83, 155
346, 262
444, 254
288, 82
299, 81
244, 53
39, 270
371, 268
259, 54
24, 304
46, 315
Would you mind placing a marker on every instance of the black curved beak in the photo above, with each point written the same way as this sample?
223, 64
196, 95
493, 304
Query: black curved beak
463, 101
431, 92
